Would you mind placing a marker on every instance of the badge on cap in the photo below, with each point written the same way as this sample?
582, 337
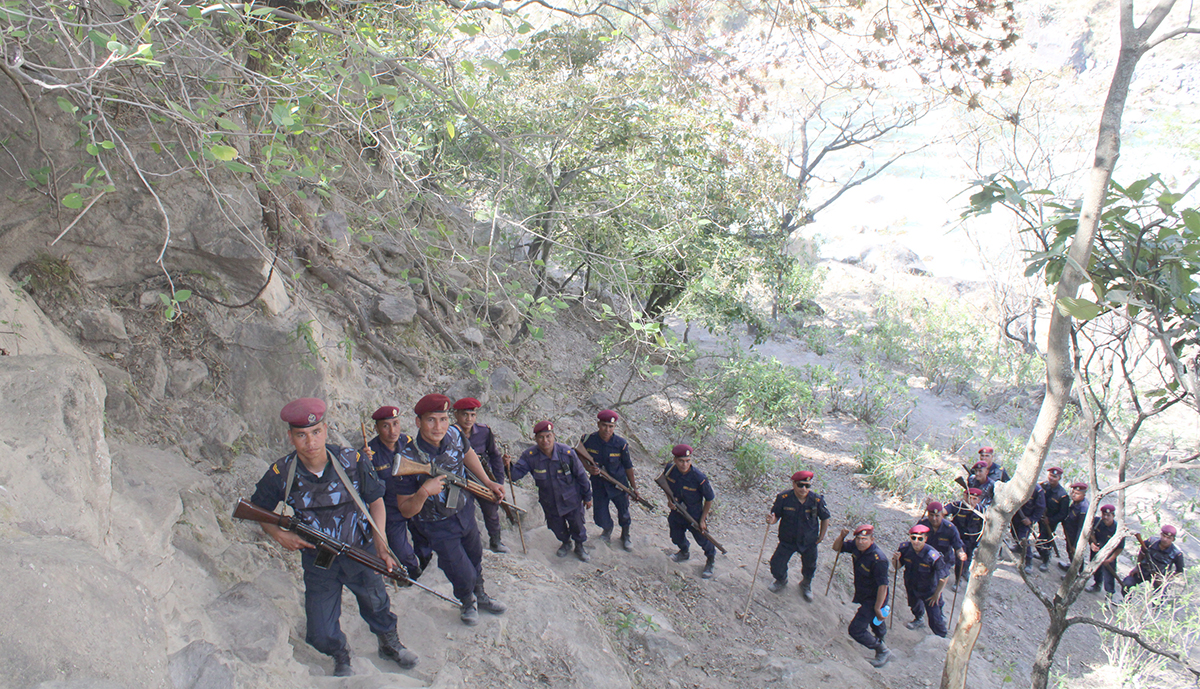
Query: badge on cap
383, 413
432, 403
682, 450
542, 427
866, 529
304, 412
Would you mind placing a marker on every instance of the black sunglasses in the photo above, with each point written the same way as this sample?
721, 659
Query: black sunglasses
916, 537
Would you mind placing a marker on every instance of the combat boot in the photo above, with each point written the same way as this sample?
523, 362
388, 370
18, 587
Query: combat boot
915, 624
606, 536
682, 556
564, 549
1045, 566
341, 663
777, 585
468, 613
390, 647
882, 656
496, 546
486, 603
806, 590
626, 542
708, 568
581, 552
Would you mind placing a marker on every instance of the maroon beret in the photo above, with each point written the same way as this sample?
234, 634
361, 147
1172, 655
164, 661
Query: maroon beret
542, 427
802, 476
467, 404
682, 450
974, 491
987, 450
1054, 470
304, 412
607, 416
1107, 508
1168, 530
934, 507
1080, 485
432, 403
981, 465
864, 529
386, 413
919, 528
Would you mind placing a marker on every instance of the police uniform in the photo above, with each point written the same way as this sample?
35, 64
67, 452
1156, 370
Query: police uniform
799, 528
563, 487
945, 538
397, 525
969, 522
1073, 524
1032, 510
613, 457
986, 490
922, 573
1101, 535
1058, 504
691, 491
870, 572
483, 442
1153, 563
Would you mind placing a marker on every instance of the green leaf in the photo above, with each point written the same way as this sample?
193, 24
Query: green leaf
235, 166
221, 152
67, 106
512, 54
1191, 219
494, 67
524, 28
182, 295
107, 145
469, 29
92, 149
670, 24
164, 299
468, 67
450, 128
470, 100
1138, 188
73, 201
1079, 309
193, 12
226, 124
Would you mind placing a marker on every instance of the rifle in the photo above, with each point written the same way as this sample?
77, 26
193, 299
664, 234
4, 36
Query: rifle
329, 546
407, 467
590, 464
1045, 523
662, 483
508, 509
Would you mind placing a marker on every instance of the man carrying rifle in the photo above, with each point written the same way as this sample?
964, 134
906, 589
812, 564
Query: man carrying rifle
1023, 521
979, 479
968, 519
328, 487
482, 440
803, 520
563, 488
610, 452
1154, 559
442, 513
383, 447
1058, 504
1104, 528
690, 489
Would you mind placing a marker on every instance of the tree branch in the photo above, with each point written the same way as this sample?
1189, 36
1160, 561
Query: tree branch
1178, 658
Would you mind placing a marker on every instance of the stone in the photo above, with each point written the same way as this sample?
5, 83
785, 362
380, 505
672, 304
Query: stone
120, 408
472, 335
468, 387
152, 373
250, 625
198, 666
102, 325
28, 331
507, 386
185, 376
893, 257
397, 308
274, 297
335, 226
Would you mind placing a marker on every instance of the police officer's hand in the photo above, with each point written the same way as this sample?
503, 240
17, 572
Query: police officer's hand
1095, 548
933, 600
845, 532
771, 518
1025, 521
434, 486
592, 469
497, 489
507, 460
291, 541
387, 558
587, 504
896, 560
703, 524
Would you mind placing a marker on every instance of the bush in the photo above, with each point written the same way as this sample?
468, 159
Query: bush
753, 391
752, 461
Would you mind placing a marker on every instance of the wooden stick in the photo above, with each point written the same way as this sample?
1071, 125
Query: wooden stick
831, 571
513, 492
750, 594
892, 616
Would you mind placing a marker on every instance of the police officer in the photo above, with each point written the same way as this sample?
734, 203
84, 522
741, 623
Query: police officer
610, 452
979, 479
1073, 523
925, 575
1058, 503
870, 592
996, 473
324, 485
966, 516
803, 520
1024, 519
943, 535
563, 488
384, 446
443, 514
483, 442
690, 489
1159, 555
1104, 528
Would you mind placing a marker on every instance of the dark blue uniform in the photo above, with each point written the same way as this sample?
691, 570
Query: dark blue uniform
691, 491
563, 487
988, 488
1073, 525
484, 443
969, 522
324, 502
397, 525
799, 528
1032, 510
1101, 534
613, 457
1058, 504
1153, 563
922, 572
996, 474
945, 538
870, 572
448, 526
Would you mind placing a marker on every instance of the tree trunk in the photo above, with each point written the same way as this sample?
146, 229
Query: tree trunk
1048, 647
1134, 43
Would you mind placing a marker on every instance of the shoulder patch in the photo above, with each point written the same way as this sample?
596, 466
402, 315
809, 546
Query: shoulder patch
275, 467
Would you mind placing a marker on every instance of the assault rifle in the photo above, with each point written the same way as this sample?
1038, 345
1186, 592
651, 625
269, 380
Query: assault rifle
407, 467
509, 510
590, 465
328, 546
662, 483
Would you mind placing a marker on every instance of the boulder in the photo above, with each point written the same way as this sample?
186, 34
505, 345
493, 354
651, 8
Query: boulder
893, 257
185, 376
397, 308
102, 325
251, 625
507, 386
473, 336
28, 331
198, 666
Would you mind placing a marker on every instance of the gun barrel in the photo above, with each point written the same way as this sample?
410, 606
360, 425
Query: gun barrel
251, 512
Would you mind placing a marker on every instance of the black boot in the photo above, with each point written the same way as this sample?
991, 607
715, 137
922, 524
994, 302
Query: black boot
496, 546
806, 589
341, 663
626, 542
581, 552
882, 655
606, 535
564, 549
390, 647
681, 556
708, 568
486, 603
777, 585
468, 612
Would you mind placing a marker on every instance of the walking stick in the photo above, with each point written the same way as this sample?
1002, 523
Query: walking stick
953, 605
754, 577
891, 618
831, 571
513, 491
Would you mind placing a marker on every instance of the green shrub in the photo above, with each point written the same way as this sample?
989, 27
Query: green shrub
752, 461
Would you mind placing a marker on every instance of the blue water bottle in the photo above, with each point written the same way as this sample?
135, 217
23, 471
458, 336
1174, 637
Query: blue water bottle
886, 610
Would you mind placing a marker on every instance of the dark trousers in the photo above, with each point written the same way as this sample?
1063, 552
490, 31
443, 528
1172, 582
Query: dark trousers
863, 630
1071, 536
679, 531
783, 555
1046, 539
1143, 573
491, 518
397, 537
566, 527
323, 600
459, 549
1022, 531
1104, 576
603, 493
919, 605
